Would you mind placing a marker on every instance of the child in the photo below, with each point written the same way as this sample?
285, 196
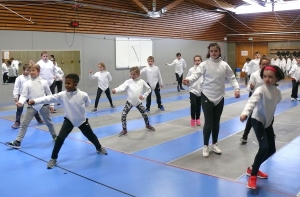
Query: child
74, 101
19, 84
4, 72
262, 105
179, 64
254, 82
295, 74
11, 72
245, 70
154, 81
58, 78
33, 88
195, 93
253, 66
104, 78
214, 71
134, 87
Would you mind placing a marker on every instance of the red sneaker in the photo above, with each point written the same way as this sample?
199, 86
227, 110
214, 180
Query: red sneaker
260, 174
252, 182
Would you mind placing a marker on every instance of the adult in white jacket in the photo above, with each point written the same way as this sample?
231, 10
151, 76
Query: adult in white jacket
134, 87
214, 71
179, 64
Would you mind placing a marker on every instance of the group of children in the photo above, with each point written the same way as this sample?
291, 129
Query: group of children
206, 84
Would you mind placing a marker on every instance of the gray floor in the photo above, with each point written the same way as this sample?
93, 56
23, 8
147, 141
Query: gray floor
235, 156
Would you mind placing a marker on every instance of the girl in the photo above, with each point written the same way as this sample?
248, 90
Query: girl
262, 105
214, 71
104, 78
195, 94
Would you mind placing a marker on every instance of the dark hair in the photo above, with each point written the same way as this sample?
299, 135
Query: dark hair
177, 54
264, 57
248, 59
198, 56
8, 62
279, 74
256, 53
26, 66
73, 76
213, 45
52, 56
135, 69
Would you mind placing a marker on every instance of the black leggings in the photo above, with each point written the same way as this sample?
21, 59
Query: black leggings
179, 79
212, 115
66, 128
195, 106
99, 92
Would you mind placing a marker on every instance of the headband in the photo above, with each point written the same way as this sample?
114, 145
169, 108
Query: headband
271, 68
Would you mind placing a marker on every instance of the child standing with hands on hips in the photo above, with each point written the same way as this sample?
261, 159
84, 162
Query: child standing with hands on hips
262, 105
74, 101
134, 87
104, 78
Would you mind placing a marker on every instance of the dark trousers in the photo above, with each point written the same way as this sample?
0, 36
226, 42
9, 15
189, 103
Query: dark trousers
246, 78
52, 87
247, 128
126, 110
295, 88
58, 84
212, 115
99, 92
66, 128
179, 79
5, 78
266, 142
157, 94
11, 79
195, 106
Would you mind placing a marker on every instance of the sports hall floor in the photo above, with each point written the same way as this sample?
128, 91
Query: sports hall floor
164, 163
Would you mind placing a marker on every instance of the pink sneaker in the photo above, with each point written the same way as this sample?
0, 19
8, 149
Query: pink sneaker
198, 122
192, 122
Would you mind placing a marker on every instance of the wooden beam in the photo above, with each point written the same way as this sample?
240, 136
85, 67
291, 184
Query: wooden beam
172, 5
217, 3
138, 3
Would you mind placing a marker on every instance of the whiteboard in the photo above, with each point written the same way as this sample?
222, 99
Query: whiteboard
132, 52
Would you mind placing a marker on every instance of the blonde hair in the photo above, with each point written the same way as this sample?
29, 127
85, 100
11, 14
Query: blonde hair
102, 64
35, 66
135, 69
150, 58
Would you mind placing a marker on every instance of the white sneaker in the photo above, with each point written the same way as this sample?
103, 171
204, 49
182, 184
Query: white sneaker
292, 99
205, 151
216, 149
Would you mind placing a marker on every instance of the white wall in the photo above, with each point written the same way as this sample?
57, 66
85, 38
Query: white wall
100, 48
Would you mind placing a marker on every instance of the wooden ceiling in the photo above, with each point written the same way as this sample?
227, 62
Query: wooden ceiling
185, 19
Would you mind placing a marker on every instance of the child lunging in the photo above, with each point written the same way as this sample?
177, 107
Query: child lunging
74, 101
134, 87
262, 105
195, 93
34, 88
104, 78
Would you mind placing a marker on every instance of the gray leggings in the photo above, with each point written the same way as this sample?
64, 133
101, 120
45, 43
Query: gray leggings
30, 113
126, 110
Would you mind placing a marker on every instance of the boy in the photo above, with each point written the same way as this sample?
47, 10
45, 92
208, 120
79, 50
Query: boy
75, 101
245, 70
19, 84
134, 87
154, 81
33, 88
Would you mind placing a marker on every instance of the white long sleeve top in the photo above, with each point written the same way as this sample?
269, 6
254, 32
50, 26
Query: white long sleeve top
295, 72
48, 71
196, 86
253, 66
153, 75
255, 80
179, 65
103, 77
35, 88
214, 72
19, 84
246, 67
134, 90
282, 64
59, 74
74, 104
15, 64
263, 104
4, 68
288, 65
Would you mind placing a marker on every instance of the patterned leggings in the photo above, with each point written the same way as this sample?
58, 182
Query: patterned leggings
126, 110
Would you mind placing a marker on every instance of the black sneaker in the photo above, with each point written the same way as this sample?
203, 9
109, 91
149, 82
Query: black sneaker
123, 132
102, 151
16, 125
112, 106
150, 127
94, 110
161, 108
14, 144
54, 137
178, 89
147, 110
51, 163
181, 88
244, 141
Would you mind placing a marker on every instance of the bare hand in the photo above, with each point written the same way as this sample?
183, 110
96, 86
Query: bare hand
186, 82
113, 91
90, 71
52, 109
16, 100
243, 117
161, 86
31, 102
251, 86
19, 104
237, 94
141, 97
